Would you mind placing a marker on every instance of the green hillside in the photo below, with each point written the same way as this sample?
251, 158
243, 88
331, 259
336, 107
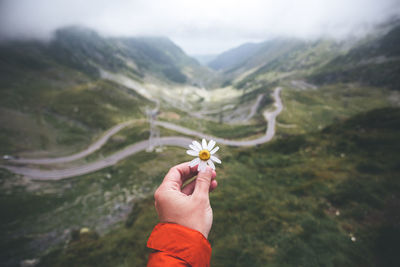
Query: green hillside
303, 199
54, 91
234, 57
376, 63
323, 192
372, 61
160, 56
274, 60
50, 104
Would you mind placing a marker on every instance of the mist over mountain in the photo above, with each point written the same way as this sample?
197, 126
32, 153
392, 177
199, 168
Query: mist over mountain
204, 59
85, 50
372, 60
308, 130
194, 25
373, 63
235, 56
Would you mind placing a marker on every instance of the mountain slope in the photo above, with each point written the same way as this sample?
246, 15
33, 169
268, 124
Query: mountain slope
139, 57
57, 86
234, 57
306, 198
276, 59
160, 56
375, 62
204, 59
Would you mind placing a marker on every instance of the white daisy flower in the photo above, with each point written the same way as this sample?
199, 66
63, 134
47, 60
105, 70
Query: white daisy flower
204, 154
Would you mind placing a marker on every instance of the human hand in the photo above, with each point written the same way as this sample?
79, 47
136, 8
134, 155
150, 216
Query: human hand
188, 206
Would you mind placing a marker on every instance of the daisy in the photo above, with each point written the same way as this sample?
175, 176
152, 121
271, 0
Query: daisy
204, 154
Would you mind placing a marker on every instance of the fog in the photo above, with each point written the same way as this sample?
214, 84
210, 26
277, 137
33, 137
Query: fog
199, 27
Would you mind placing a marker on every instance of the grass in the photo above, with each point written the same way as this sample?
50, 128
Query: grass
60, 110
231, 131
312, 110
255, 126
276, 205
328, 177
43, 213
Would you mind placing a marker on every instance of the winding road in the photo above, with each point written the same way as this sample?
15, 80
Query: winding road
92, 148
253, 110
38, 174
58, 174
269, 134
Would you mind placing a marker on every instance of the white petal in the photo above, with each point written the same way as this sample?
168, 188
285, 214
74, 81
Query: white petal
211, 144
194, 148
194, 162
197, 144
202, 166
204, 143
211, 164
217, 160
192, 152
214, 150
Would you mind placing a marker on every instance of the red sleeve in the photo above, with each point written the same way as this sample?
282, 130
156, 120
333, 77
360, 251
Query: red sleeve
177, 245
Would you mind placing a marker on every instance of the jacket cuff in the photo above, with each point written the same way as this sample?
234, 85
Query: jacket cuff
181, 242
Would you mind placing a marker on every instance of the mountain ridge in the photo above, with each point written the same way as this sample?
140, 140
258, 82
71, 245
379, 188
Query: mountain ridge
84, 49
320, 61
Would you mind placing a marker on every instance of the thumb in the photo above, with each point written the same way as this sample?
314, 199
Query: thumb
203, 181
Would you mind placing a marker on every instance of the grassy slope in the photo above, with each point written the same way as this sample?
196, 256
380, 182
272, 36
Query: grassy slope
311, 110
276, 204
36, 215
64, 202
293, 186
59, 109
286, 57
247, 129
51, 97
374, 63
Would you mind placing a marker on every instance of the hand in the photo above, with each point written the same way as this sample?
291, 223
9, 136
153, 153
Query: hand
188, 206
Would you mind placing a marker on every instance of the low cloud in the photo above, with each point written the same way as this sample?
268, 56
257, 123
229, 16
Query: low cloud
199, 27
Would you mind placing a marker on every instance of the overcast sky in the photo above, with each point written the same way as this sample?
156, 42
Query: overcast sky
198, 26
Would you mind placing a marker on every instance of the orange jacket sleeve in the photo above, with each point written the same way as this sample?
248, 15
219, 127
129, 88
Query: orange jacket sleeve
177, 245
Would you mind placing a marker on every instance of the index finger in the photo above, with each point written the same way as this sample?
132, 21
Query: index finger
178, 174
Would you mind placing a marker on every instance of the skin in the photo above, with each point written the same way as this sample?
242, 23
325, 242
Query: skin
188, 206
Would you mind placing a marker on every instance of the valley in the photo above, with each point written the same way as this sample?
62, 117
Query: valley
38, 174
301, 139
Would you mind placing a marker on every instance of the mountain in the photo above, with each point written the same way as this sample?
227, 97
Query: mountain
274, 59
52, 94
234, 57
141, 57
374, 62
161, 57
326, 182
84, 50
305, 194
204, 59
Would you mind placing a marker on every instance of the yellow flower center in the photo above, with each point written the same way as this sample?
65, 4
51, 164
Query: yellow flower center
204, 154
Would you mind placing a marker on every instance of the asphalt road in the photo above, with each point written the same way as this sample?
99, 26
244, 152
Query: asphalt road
92, 148
38, 174
58, 174
270, 116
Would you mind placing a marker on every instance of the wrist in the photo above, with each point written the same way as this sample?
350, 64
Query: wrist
181, 242
203, 232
